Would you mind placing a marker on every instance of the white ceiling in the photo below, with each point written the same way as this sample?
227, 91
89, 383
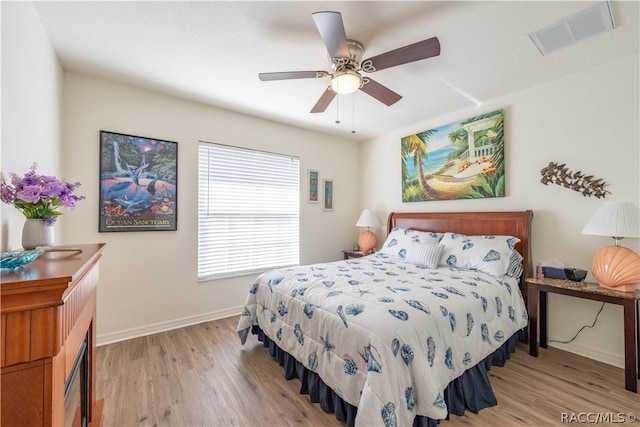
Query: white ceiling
212, 52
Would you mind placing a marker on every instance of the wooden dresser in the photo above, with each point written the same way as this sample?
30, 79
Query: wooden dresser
47, 310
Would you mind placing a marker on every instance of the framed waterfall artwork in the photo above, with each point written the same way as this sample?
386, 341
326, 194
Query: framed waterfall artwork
138, 183
461, 160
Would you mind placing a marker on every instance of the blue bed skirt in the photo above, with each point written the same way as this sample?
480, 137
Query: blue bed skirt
472, 390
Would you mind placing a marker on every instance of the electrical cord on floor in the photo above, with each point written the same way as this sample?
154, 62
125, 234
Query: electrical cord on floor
581, 329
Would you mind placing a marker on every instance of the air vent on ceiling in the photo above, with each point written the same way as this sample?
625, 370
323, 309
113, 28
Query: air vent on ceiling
582, 25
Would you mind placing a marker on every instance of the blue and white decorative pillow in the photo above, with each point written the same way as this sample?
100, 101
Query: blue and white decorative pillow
425, 255
491, 254
515, 265
400, 240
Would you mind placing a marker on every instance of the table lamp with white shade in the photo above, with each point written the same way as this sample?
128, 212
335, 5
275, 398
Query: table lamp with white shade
367, 240
616, 267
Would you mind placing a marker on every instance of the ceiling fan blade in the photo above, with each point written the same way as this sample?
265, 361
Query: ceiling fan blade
403, 55
331, 30
324, 101
285, 75
380, 92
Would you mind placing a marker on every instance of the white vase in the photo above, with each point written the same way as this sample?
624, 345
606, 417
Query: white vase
36, 233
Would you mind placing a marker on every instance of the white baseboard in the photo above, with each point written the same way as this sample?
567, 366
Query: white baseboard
126, 334
599, 354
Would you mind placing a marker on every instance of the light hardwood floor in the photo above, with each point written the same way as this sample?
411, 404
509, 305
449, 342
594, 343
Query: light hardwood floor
201, 376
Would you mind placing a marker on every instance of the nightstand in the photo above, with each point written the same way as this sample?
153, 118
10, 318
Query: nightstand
352, 254
537, 290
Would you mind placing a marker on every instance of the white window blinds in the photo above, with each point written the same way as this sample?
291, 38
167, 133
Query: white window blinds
248, 211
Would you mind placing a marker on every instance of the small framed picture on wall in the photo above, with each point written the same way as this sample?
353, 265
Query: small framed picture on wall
328, 194
313, 195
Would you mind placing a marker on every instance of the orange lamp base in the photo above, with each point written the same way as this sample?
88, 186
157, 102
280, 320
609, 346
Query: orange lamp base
617, 268
367, 241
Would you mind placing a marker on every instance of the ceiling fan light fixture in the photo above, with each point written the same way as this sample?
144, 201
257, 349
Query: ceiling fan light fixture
347, 81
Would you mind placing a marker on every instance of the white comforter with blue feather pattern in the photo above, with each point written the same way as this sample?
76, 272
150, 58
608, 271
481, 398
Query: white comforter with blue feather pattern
387, 336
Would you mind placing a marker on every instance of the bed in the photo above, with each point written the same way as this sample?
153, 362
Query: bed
406, 335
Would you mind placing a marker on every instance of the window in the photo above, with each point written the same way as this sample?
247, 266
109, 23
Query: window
248, 211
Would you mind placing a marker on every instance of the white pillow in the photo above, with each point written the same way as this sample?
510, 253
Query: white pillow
400, 239
425, 255
490, 254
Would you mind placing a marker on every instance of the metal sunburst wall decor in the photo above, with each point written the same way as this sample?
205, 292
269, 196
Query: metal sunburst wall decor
576, 181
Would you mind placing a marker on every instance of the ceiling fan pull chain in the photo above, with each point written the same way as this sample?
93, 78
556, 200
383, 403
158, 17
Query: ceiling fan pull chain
353, 114
337, 109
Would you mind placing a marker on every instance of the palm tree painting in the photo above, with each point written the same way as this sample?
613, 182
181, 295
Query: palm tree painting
462, 160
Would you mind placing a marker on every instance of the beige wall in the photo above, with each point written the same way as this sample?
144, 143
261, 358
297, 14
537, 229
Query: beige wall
31, 107
590, 121
149, 279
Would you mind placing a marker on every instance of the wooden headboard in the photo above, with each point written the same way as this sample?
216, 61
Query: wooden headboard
517, 224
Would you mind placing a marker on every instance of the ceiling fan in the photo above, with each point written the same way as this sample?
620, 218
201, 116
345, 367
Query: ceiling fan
347, 63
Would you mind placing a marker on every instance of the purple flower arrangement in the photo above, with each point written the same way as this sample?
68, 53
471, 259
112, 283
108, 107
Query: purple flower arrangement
38, 196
